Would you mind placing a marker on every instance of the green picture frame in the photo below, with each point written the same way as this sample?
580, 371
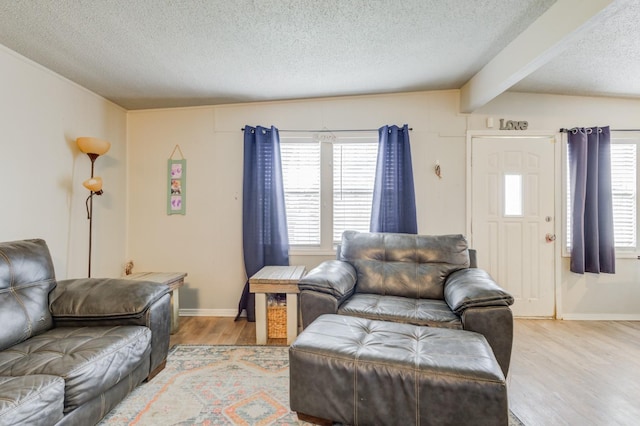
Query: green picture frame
177, 187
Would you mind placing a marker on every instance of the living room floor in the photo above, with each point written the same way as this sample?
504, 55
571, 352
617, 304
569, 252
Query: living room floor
562, 372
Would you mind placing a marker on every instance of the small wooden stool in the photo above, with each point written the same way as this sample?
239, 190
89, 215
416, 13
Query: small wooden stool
276, 279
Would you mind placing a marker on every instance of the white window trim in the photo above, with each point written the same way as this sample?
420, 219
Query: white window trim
326, 247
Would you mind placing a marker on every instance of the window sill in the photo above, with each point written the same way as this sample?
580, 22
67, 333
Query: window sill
627, 255
619, 254
316, 251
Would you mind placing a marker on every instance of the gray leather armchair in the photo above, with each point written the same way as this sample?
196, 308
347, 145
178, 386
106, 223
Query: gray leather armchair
415, 279
71, 350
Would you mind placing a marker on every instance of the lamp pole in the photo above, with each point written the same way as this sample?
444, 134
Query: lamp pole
90, 231
94, 148
90, 213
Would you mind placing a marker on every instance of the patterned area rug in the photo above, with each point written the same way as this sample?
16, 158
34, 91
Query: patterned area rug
216, 385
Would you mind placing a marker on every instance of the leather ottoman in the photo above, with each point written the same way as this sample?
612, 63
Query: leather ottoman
358, 371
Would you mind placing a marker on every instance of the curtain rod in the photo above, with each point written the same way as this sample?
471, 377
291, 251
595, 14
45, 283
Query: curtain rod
563, 130
329, 131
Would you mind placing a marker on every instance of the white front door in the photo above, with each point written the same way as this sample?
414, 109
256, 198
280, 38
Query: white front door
512, 218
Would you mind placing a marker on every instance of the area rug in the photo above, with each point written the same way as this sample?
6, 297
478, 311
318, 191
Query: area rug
216, 385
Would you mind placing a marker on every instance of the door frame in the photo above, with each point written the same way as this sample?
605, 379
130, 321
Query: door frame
558, 186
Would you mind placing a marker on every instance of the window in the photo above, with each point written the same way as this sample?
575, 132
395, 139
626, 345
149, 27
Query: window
624, 170
354, 170
301, 179
623, 187
328, 184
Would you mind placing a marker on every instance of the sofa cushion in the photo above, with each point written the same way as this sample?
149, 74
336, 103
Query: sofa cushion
427, 312
406, 265
26, 278
31, 400
89, 359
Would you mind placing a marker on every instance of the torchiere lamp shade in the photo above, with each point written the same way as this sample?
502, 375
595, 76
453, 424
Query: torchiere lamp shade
93, 145
93, 184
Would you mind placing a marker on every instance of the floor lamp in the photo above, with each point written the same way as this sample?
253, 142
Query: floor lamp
94, 148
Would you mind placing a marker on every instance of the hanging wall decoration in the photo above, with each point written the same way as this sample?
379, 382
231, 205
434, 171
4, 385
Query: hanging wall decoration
176, 187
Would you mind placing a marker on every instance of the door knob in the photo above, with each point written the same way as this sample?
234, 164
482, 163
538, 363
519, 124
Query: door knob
550, 238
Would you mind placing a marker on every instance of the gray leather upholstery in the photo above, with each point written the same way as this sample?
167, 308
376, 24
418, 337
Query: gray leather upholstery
26, 278
495, 323
358, 371
404, 265
89, 359
35, 400
416, 279
86, 303
332, 277
316, 304
71, 351
473, 288
92, 411
431, 312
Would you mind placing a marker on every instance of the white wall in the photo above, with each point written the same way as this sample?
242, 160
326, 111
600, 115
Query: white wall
41, 115
588, 296
207, 242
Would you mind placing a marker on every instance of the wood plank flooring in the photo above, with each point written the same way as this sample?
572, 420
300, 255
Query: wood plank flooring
575, 372
562, 372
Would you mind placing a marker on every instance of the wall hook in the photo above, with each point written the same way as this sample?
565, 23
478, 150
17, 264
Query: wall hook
438, 170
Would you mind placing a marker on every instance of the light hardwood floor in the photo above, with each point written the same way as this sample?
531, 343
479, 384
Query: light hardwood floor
562, 372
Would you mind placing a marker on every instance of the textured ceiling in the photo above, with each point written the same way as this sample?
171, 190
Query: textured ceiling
604, 61
166, 53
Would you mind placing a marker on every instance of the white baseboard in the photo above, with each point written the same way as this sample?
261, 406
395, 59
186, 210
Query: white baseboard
210, 313
568, 317
601, 317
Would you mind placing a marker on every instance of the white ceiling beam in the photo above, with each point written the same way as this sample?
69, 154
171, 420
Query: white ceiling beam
544, 39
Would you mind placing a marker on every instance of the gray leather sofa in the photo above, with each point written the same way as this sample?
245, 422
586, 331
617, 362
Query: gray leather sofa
415, 279
71, 350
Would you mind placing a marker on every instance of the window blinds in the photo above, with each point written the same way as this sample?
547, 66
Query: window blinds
354, 168
301, 176
623, 187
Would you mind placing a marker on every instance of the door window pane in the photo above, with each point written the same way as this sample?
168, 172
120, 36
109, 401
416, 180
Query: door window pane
513, 195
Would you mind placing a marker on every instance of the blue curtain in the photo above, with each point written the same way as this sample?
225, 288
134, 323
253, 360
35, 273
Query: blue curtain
592, 239
264, 222
394, 199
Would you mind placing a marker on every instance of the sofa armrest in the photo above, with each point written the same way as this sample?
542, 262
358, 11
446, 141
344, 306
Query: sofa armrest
333, 277
103, 298
495, 323
89, 302
472, 288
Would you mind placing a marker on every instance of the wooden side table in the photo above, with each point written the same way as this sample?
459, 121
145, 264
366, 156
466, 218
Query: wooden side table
174, 280
276, 279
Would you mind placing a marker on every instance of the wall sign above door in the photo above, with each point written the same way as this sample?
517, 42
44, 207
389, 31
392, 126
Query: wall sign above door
513, 125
